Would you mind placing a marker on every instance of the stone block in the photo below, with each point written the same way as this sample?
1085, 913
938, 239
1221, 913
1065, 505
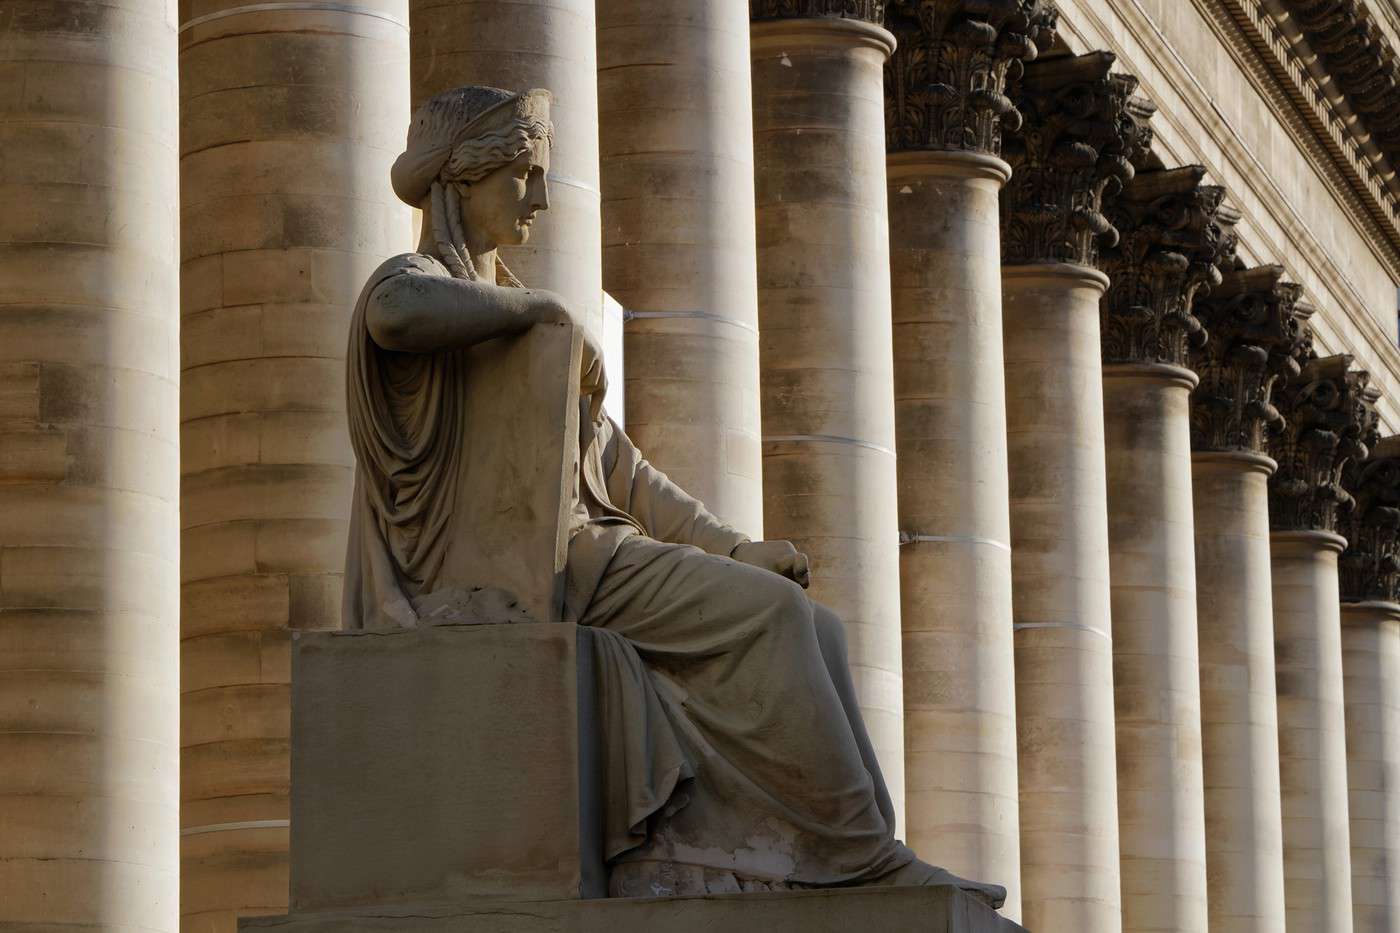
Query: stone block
439, 763
888, 910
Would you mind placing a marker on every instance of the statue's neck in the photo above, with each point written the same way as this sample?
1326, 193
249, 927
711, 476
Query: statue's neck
483, 256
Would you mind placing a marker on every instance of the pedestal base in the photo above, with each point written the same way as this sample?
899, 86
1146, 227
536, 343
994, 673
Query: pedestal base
889, 910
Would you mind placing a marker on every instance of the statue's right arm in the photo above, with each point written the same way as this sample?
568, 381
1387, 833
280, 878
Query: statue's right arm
429, 313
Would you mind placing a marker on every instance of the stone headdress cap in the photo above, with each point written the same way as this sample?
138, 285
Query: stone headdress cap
446, 120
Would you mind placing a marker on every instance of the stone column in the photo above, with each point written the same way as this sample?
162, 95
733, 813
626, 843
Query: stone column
1258, 335
520, 44
944, 176
1051, 228
1370, 588
1174, 235
678, 217
89, 468
1330, 422
824, 319
291, 115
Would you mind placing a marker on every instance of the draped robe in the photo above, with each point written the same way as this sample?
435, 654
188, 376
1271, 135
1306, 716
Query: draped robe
734, 758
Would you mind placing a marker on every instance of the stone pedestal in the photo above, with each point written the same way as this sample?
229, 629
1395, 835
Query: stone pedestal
1064, 644
824, 310
887, 910
1312, 727
1239, 717
1371, 682
290, 118
442, 763
443, 781
678, 234
516, 45
955, 567
89, 467
1156, 665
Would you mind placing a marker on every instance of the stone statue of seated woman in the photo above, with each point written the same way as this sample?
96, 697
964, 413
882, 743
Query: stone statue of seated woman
736, 757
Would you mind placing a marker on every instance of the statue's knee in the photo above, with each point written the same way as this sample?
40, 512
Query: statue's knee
794, 609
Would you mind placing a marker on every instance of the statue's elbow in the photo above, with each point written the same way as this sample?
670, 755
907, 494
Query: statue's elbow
389, 320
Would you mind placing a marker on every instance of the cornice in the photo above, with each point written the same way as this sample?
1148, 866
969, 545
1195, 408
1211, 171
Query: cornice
1254, 35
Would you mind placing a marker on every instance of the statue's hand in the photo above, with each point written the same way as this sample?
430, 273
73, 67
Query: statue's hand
778, 556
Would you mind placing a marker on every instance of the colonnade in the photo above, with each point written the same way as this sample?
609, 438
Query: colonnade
1116, 547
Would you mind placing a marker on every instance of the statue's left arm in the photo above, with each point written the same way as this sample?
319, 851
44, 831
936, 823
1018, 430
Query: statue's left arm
665, 510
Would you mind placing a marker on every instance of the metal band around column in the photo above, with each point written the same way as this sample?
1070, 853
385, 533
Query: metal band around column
824, 439
296, 6
228, 827
1018, 626
572, 182
697, 315
906, 537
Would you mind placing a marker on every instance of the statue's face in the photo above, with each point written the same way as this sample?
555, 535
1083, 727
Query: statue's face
503, 205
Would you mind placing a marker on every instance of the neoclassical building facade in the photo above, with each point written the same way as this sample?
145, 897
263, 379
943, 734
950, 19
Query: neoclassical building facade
1060, 335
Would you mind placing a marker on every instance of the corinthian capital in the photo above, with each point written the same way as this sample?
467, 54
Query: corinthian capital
945, 85
1259, 338
1330, 414
1080, 134
872, 11
1370, 567
1175, 235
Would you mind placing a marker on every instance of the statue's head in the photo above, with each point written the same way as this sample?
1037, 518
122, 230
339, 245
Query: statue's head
477, 160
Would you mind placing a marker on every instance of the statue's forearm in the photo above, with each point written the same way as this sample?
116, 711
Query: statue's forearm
427, 314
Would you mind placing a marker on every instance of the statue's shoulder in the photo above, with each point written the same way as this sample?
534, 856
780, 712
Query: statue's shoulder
402, 264
410, 263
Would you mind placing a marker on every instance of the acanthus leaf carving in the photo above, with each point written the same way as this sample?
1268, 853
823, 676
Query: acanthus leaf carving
1081, 134
1369, 569
945, 85
872, 11
1175, 236
1259, 339
1330, 421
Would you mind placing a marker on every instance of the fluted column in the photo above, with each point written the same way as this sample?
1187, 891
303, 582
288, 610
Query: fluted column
89, 468
290, 118
944, 175
1174, 236
1370, 588
676, 130
1082, 129
824, 323
1257, 338
1331, 422
520, 44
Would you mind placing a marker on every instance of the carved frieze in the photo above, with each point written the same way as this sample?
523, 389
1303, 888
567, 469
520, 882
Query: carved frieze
872, 11
1081, 132
1259, 339
1175, 234
945, 85
1330, 420
1370, 566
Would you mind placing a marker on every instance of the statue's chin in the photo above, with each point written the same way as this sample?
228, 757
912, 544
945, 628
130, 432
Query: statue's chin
516, 237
